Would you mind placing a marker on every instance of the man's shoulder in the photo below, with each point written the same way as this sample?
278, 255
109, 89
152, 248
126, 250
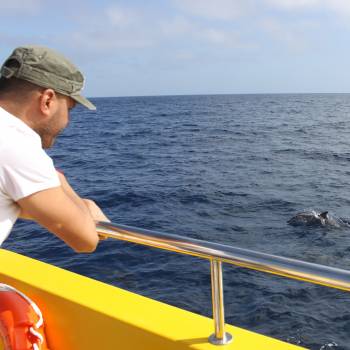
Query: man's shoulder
13, 129
18, 149
13, 143
15, 136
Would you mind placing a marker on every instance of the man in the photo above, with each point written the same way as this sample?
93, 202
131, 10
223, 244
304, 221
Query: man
38, 88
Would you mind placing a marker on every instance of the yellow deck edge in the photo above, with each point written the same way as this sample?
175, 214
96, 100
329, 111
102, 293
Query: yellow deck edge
82, 313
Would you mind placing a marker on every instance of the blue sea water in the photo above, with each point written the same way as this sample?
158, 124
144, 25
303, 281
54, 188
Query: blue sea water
230, 169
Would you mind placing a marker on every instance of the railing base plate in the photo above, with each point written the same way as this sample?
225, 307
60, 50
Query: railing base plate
225, 340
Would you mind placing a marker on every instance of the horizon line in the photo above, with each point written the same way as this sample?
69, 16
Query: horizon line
226, 94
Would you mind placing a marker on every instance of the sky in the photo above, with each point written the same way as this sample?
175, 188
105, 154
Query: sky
180, 47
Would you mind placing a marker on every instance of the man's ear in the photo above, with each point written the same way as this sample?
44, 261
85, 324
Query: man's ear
47, 101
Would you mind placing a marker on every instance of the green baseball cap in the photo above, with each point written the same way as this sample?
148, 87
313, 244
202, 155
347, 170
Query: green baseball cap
47, 68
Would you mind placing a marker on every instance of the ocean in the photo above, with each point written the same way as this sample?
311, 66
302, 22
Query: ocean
231, 169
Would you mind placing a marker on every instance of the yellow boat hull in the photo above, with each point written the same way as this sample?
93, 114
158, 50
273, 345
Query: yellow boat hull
82, 313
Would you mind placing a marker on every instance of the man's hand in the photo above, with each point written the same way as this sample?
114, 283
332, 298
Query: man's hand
95, 211
97, 214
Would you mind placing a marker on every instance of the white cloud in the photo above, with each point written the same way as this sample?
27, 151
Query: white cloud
224, 38
294, 4
104, 41
176, 26
121, 17
190, 30
217, 10
217, 36
233, 9
184, 56
21, 6
192, 23
111, 28
341, 7
281, 32
292, 35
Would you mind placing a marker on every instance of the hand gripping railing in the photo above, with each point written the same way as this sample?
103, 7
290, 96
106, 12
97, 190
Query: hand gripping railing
218, 253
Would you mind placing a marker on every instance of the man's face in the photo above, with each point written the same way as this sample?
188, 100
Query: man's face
57, 122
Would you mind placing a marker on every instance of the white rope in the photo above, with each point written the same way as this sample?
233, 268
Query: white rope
33, 331
36, 334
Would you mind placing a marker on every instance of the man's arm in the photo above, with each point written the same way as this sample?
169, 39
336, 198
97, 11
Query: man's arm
95, 212
64, 213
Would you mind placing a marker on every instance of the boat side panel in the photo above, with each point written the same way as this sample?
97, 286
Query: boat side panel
81, 313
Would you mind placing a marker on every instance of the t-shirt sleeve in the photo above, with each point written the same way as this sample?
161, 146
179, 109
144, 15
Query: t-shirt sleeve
28, 172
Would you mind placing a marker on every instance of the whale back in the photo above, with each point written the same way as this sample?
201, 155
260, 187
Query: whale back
309, 217
324, 215
314, 218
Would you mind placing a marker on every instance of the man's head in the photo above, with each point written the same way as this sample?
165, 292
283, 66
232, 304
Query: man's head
46, 68
40, 86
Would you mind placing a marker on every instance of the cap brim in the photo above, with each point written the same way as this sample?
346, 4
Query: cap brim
83, 101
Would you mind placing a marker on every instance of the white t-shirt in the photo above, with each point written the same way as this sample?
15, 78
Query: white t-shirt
25, 168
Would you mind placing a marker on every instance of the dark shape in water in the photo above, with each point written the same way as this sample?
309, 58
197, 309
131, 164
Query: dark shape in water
314, 218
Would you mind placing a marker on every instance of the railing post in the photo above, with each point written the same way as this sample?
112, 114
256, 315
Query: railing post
220, 337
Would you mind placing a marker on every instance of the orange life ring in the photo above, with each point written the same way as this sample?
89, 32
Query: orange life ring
21, 322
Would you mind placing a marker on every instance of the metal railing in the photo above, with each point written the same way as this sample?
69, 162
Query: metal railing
218, 253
